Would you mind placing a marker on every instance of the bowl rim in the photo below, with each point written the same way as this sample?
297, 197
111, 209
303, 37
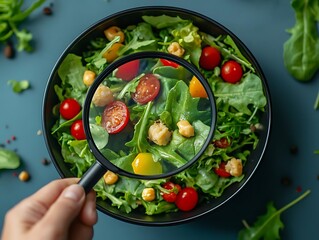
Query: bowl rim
252, 58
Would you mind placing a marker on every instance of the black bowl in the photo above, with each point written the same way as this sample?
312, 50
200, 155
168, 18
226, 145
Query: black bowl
123, 19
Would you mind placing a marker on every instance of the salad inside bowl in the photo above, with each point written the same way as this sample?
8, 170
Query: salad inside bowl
242, 103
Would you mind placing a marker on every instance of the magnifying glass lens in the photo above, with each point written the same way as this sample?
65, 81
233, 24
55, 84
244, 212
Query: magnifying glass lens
149, 116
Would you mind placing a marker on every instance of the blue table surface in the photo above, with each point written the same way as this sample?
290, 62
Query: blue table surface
261, 25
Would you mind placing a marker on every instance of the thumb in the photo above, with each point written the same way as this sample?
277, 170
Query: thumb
64, 210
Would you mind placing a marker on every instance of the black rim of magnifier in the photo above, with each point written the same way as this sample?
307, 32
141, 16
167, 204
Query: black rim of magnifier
102, 164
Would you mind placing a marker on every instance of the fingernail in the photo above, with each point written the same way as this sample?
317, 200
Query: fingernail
74, 192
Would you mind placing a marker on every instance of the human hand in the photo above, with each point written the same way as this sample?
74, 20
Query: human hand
59, 210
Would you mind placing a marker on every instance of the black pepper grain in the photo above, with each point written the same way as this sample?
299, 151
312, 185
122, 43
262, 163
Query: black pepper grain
286, 181
293, 149
8, 51
45, 162
47, 11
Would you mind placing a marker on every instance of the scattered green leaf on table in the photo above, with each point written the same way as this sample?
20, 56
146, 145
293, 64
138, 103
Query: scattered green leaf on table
267, 226
19, 86
9, 159
316, 106
301, 50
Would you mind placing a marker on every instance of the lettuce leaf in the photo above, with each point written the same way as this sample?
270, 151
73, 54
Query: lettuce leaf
71, 73
248, 92
8, 159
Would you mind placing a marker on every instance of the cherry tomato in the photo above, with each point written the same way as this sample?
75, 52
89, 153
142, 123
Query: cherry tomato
174, 189
128, 71
169, 63
147, 89
186, 199
221, 171
196, 89
210, 58
112, 53
222, 143
69, 108
231, 71
77, 130
115, 117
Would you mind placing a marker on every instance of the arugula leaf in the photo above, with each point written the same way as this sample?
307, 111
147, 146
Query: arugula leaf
267, 226
9, 159
182, 105
19, 86
139, 140
301, 50
142, 39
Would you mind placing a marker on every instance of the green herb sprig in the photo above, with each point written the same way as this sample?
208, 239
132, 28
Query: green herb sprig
11, 16
268, 225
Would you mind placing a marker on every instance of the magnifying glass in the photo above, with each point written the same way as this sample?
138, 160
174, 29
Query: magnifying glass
148, 115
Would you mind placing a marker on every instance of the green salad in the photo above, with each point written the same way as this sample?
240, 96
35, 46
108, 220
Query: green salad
131, 102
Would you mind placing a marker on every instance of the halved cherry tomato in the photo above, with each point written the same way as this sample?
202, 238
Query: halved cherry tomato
231, 71
209, 58
69, 108
196, 89
186, 199
222, 143
128, 71
221, 171
77, 130
174, 189
169, 63
147, 89
115, 117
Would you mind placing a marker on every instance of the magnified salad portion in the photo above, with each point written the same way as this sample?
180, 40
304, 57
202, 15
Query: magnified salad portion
239, 97
149, 123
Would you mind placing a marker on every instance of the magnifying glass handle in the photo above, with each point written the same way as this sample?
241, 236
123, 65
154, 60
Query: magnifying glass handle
92, 176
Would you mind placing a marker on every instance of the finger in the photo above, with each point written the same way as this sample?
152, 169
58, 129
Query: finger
48, 194
31, 209
62, 212
80, 231
88, 214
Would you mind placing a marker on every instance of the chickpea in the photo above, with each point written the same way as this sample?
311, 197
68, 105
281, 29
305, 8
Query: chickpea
88, 77
112, 53
148, 194
24, 176
234, 167
159, 133
102, 96
176, 49
113, 32
185, 128
110, 177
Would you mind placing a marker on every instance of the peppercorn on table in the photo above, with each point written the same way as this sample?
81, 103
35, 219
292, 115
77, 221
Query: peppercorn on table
288, 169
